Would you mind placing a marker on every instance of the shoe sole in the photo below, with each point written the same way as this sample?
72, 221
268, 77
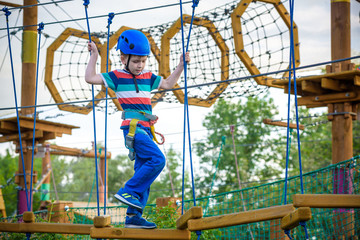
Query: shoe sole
123, 200
138, 226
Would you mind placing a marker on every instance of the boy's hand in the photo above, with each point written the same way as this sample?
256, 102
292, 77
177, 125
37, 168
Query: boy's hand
187, 58
92, 48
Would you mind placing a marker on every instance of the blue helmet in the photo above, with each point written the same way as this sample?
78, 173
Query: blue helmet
133, 42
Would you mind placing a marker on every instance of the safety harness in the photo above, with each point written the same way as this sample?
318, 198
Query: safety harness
133, 129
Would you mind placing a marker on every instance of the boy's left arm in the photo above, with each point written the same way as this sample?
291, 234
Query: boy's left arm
169, 82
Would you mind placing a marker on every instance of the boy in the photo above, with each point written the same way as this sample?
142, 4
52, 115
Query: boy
132, 86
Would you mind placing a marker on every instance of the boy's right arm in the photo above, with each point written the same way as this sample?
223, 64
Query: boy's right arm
90, 72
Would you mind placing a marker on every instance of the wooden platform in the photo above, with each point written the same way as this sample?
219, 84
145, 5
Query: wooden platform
44, 130
320, 90
327, 200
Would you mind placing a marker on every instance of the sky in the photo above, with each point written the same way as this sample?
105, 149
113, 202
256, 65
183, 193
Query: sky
312, 18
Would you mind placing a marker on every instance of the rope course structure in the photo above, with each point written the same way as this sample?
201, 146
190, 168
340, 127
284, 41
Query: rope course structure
214, 48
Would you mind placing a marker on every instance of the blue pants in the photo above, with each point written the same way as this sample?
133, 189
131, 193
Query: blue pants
149, 162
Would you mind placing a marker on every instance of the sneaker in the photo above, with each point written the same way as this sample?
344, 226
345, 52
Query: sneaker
138, 222
128, 199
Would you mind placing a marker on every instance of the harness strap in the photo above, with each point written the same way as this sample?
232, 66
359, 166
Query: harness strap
133, 129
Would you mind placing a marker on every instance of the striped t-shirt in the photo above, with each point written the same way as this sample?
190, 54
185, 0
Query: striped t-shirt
121, 81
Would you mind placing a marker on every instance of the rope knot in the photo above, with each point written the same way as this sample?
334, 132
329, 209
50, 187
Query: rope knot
6, 11
111, 16
86, 2
195, 3
41, 27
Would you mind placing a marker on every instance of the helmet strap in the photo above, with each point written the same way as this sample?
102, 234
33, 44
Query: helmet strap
134, 77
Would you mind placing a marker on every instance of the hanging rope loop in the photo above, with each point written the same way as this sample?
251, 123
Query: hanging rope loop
41, 27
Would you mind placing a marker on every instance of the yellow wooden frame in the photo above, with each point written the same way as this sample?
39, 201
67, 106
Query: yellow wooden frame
68, 32
239, 41
220, 42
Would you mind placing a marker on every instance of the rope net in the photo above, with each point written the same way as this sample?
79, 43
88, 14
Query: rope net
266, 41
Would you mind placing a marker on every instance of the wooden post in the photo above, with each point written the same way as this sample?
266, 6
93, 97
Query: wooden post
28, 85
45, 186
103, 175
342, 137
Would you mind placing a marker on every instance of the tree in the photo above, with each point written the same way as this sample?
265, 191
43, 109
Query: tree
256, 159
162, 185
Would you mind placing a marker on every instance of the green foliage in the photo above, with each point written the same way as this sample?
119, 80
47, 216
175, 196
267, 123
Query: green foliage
9, 165
75, 178
162, 185
256, 159
165, 217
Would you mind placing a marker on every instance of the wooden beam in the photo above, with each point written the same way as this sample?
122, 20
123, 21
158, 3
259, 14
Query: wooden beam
102, 221
131, 233
327, 200
192, 213
293, 219
331, 84
282, 124
10, 4
24, 136
329, 98
313, 87
62, 228
239, 218
8, 126
66, 151
357, 80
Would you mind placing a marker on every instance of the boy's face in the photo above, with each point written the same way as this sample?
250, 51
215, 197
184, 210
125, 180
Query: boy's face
136, 63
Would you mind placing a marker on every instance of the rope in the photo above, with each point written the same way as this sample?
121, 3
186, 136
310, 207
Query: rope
41, 27
7, 14
86, 3
186, 106
101, 16
111, 16
292, 74
223, 140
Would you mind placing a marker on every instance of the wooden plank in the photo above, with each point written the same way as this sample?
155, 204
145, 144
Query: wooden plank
192, 213
293, 219
131, 233
282, 124
327, 200
313, 87
62, 228
239, 218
